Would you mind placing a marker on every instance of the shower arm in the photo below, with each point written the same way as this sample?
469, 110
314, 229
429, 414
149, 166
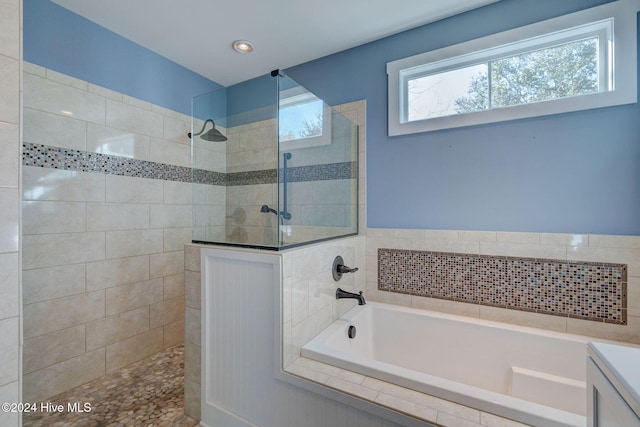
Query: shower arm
203, 126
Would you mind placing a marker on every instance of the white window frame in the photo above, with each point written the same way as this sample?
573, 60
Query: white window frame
619, 86
296, 96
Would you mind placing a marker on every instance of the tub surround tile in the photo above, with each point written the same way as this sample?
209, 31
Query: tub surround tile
585, 290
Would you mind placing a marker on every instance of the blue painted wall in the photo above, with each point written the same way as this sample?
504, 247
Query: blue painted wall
568, 173
63, 41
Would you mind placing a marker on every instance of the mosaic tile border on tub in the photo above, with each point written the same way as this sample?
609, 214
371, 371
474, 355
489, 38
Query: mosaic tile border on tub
584, 290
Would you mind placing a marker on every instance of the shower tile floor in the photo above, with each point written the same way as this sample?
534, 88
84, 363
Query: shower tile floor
147, 393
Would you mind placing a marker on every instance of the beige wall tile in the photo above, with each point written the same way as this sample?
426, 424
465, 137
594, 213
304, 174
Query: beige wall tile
48, 316
174, 333
10, 393
177, 193
9, 154
49, 250
52, 348
128, 297
115, 272
117, 328
132, 118
9, 87
123, 353
126, 189
167, 311
166, 264
56, 184
170, 216
52, 282
524, 318
192, 289
192, 326
116, 142
9, 353
9, 277
61, 217
47, 382
9, 214
117, 216
192, 363
129, 243
54, 129
54, 97
625, 333
173, 286
192, 399
10, 31
176, 238
176, 129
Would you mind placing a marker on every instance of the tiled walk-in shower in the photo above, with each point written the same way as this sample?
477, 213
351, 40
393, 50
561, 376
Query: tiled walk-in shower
147, 393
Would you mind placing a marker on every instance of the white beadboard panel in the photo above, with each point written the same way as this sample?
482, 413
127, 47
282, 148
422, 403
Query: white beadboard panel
58, 98
126, 189
48, 283
53, 129
49, 250
239, 322
62, 185
61, 217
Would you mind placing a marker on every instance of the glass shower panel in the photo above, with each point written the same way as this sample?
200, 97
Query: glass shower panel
318, 168
286, 173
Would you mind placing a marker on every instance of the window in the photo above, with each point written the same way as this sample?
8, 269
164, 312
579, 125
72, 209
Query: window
573, 62
304, 120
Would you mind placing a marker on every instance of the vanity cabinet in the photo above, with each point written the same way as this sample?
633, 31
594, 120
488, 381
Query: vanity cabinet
613, 386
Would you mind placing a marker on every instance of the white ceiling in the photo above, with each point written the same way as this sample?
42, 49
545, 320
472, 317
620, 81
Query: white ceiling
198, 33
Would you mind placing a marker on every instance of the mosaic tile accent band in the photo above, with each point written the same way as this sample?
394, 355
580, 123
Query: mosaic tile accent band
46, 156
584, 290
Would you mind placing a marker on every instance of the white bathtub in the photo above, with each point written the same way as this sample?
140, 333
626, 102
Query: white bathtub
529, 375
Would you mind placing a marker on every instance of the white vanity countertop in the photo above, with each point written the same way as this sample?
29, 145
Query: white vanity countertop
621, 365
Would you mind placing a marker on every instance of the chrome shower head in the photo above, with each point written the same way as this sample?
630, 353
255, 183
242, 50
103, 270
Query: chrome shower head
212, 135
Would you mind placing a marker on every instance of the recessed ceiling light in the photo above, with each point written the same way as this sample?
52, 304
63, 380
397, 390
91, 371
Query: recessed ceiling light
242, 46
